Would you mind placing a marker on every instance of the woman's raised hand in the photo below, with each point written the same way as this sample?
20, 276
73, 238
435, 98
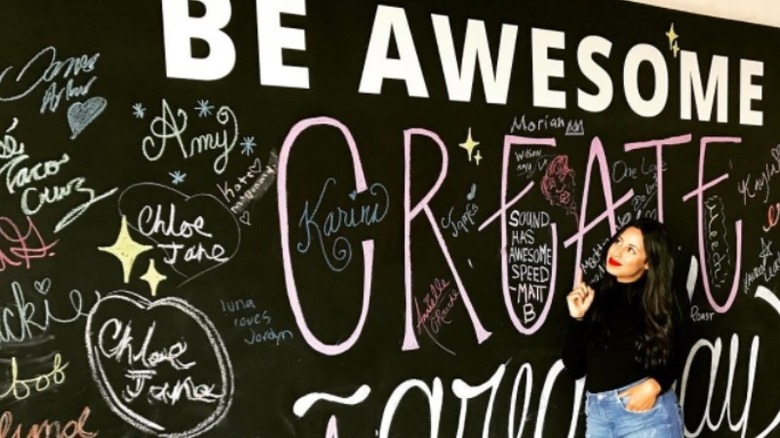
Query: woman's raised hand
579, 300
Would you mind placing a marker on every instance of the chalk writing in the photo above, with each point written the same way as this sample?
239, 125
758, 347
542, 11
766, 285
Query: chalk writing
23, 320
170, 126
22, 388
464, 393
462, 224
713, 351
697, 315
19, 248
54, 95
767, 270
229, 192
268, 335
19, 175
257, 186
547, 123
530, 261
47, 428
719, 261
44, 67
145, 369
622, 171
593, 268
750, 187
646, 191
196, 233
334, 222
530, 162
437, 304
257, 323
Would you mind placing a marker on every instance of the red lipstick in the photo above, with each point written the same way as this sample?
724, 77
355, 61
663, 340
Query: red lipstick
613, 262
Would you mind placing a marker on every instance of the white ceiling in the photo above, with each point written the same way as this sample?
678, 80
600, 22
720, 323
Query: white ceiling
766, 12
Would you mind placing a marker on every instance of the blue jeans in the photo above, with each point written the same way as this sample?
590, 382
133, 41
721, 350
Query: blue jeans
607, 416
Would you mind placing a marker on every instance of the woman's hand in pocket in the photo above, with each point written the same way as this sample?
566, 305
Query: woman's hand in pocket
641, 397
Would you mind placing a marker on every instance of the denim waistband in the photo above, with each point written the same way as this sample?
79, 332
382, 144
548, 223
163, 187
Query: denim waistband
612, 392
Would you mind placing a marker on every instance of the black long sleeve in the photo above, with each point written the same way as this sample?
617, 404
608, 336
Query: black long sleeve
573, 354
609, 358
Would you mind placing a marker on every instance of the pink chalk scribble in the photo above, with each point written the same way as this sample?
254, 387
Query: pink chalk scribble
18, 248
557, 185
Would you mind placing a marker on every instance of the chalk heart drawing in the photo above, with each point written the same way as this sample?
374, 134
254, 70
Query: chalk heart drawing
245, 219
43, 286
80, 115
159, 365
165, 216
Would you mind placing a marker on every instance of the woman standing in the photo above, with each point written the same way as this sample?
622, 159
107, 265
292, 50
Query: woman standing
625, 336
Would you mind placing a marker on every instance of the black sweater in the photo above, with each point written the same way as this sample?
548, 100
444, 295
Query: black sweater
610, 360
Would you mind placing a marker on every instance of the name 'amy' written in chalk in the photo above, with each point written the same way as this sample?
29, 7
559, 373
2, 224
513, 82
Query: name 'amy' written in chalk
170, 127
256, 322
31, 179
320, 223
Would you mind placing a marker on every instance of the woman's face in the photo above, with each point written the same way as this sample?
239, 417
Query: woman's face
626, 258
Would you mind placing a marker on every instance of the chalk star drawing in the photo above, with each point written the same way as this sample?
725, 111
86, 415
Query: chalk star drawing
478, 157
248, 146
469, 144
204, 108
672, 36
139, 111
125, 249
177, 176
766, 249
153, 277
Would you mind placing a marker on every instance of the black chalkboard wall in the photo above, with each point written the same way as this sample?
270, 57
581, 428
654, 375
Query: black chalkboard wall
293, 218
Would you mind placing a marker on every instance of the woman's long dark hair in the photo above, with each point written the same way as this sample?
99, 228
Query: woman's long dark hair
654, 346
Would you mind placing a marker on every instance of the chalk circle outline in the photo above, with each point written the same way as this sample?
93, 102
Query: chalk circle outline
127, 414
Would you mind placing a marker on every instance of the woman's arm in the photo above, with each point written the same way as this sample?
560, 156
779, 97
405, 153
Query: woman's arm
573, 354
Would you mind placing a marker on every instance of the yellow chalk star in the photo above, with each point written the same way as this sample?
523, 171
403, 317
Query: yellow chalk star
469, 144
153, 277
125, 249
478, 158
672, 35
675, 49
